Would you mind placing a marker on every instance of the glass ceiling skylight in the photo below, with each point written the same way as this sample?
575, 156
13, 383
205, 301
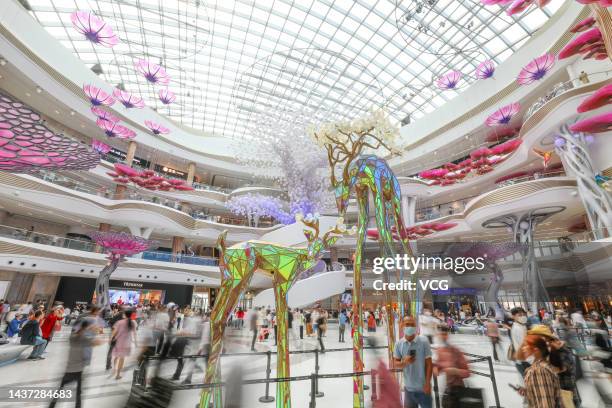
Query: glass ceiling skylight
232, 61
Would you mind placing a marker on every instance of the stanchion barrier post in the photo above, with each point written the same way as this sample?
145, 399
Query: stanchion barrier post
313, 391
318, 394
267, 397
493, 382
373, 380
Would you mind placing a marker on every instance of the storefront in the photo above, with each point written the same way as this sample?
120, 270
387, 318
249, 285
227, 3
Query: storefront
75, 289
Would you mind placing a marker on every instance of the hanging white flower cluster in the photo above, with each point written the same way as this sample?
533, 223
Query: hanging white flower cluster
376, 125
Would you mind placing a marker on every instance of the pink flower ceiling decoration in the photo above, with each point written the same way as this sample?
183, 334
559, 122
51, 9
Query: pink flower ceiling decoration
114, 129
516, 6
125, 174
97, 96
496, 2
602, 97
104, 114
585, 42
536, 69
154, 73
583, 25
596, 124
166, 96
602, 3
449, 80
98, 146
156, 128
128, 100
485, 70
503, 115
94, 28
27, 145
119, 244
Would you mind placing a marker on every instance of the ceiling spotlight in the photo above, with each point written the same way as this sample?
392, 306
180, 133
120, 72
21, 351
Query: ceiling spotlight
28, 94
72, 113
2, 61
38, 89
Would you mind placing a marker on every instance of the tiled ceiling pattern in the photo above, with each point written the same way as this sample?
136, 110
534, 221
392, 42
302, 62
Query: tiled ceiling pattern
325, 59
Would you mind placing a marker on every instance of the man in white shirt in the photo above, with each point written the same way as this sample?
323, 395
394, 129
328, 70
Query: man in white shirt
428, 325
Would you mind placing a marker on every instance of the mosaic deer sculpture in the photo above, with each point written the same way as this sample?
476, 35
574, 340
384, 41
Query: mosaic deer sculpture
238, 264
364, 174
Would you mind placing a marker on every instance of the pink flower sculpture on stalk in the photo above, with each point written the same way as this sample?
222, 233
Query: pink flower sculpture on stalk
597, 124
536, 69
94, 29
602, 3
128, 100
485, 70
449, 80
585, 42
496, 2
583, 25
26, 145
104, 114
101, 148
156, 128
602, 97
97, 96
521, 5
504, 115
166, 96
113, 129
117, 245
154, 73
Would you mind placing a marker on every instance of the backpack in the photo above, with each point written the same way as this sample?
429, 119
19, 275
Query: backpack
29, 331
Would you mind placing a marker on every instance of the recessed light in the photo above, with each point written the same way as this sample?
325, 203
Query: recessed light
28, 94
83, 126
38, 89
57, 112
72, 113
2, 61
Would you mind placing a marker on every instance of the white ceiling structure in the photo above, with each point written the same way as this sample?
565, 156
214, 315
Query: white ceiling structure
232, 61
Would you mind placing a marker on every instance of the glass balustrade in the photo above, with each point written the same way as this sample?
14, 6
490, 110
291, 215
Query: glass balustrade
458, 206
84, 245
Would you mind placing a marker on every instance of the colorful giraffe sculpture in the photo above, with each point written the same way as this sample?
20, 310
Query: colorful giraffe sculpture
238, 264
345, 144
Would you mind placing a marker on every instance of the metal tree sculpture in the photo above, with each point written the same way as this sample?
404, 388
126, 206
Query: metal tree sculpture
345, 142
285, 264
572, 148
26, 144
117, 246
523, 227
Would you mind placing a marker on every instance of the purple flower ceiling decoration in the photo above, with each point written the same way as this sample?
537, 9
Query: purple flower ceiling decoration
97, 96
157, 128
98, 146
119, 244
536, 69
503, 115
114, 129
127, 99
104, 114
449, 80
485, 70
154, 73
94, 29
166, 96
27, 145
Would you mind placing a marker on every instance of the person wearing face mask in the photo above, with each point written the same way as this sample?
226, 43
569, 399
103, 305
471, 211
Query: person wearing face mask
452, 363
542, 389
517, 335
413, 354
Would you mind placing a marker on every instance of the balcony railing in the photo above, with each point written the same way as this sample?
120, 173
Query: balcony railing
90, 187
89, 246
458, 206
